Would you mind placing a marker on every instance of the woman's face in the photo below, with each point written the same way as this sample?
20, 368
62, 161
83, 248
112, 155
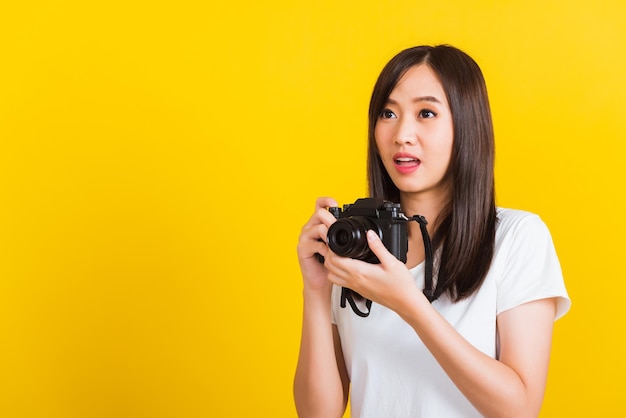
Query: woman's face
414, 134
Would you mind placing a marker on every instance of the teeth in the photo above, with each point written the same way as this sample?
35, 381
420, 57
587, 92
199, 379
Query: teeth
405, 160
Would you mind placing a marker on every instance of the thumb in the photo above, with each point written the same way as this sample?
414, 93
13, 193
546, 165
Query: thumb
378, 248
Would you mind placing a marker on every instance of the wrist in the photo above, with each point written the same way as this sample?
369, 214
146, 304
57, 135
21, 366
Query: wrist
318, 292
316, 304
414, 308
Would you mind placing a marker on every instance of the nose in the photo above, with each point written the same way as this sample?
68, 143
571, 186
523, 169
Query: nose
406, 134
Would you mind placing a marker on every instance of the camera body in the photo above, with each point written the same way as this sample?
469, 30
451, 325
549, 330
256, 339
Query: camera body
347, 236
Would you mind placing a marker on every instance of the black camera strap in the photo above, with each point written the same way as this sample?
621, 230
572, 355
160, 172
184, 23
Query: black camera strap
429, 288
348, 295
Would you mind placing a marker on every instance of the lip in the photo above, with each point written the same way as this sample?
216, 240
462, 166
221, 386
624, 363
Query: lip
406, 163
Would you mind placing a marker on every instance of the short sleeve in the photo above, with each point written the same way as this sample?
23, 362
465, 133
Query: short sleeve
531, 270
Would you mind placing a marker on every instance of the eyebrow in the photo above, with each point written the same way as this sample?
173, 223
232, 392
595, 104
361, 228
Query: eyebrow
418, 99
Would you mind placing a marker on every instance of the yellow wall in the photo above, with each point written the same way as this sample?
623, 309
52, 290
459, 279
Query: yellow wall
157, 160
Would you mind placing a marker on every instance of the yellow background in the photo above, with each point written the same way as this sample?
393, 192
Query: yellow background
157, 160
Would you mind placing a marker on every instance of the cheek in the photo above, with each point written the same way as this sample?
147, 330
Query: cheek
381, 135
446, 155
446, 143
445, 151
377, 133
377, 137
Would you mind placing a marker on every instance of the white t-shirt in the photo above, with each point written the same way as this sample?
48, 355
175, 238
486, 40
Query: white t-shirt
393, 374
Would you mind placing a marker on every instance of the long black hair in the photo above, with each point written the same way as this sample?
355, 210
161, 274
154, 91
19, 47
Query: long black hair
465, 229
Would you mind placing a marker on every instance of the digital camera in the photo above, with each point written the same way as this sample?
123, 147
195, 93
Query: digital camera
347, 236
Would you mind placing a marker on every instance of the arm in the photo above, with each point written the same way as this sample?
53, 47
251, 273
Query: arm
511, 386
321, 382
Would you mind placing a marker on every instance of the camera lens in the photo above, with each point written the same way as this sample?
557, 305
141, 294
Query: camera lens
343, 238
347, 237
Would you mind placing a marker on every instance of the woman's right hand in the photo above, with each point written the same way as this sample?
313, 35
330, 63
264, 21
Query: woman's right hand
312, 242
321, 380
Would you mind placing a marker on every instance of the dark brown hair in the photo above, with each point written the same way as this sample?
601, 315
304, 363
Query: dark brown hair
465, 231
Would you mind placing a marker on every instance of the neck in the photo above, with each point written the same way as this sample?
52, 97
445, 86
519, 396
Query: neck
429, 207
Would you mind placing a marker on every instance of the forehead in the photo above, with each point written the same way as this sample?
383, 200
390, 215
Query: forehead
419, 81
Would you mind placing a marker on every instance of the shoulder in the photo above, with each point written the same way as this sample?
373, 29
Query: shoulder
528, 263
516, 222
508, 217
521, 233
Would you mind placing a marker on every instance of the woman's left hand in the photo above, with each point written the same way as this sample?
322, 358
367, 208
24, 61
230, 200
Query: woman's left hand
389, 283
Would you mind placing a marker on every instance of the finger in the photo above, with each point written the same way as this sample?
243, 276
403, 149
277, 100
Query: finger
340, 265
326, 217
347, 269
322, 204
325, 202
336, 273
378, 248
315, 233
322, 215
310, 249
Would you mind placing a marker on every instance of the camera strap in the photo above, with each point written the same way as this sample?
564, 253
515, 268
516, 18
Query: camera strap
347, 295
429, 288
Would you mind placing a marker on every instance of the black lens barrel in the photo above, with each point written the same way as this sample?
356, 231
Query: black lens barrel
347, 237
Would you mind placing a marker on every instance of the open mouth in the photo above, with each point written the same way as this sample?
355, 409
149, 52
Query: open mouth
406, 161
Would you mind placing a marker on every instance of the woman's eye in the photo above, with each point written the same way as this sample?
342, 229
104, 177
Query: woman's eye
426, 114
387, 114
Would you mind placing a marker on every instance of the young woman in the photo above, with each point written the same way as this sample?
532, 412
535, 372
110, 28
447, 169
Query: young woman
482, 346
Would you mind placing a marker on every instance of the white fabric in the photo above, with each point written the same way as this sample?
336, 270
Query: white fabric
393, 374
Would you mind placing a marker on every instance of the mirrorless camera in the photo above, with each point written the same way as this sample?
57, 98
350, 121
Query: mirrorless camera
347, 236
